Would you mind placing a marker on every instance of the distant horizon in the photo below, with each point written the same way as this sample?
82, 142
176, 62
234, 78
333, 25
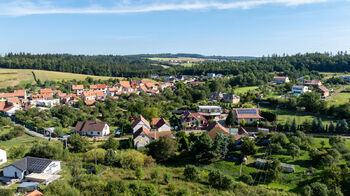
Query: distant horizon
209, 27
161, 53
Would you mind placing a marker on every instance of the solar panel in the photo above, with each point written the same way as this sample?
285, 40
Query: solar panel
247, 111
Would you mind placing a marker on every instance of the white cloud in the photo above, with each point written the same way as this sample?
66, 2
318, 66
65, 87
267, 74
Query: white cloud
22, 8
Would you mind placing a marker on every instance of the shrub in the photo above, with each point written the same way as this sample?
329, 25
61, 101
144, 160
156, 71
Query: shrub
111, 144
132, 159
347, 156
219, 180
191, 173
276, 148
247, 178
99, 153
167, 178
139, 173
47, 149
140, 188
115, 187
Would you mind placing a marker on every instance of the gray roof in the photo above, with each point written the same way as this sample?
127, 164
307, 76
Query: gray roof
32, 164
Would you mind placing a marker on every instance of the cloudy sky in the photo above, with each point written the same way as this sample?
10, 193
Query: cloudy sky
211, 27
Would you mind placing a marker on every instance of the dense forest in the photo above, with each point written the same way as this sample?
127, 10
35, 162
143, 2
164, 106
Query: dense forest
187, 55
101, 65
256, 70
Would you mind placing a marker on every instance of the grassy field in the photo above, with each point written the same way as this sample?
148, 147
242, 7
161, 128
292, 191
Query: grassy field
13, 77
285, 115
245, 89
339, 98
333, 74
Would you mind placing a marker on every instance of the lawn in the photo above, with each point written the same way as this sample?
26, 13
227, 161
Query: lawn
285, 115
245, 89
339, 98
24, 139
13, 77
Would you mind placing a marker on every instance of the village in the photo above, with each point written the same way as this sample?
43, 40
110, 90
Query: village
238, 122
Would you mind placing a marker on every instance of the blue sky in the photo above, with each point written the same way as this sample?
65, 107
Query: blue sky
210, 27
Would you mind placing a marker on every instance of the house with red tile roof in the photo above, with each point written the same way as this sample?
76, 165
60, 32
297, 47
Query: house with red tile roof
191, 120
250, 115
140, 122
78, 89
215, 128
280, 79
160, 124
93, 95
46, 91
312, 83
100, 87
323, 90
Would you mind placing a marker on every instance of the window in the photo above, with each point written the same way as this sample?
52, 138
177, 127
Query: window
98, 133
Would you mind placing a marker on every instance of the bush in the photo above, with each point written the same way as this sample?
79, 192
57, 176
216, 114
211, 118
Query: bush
47, 149
6, 192
191, 173
167, 178
219, 180
247, 178
99, 153
276, 148
115, 187
78, 143
139, 173
111, 144
132, 159
55, 189
347, 156
139, 188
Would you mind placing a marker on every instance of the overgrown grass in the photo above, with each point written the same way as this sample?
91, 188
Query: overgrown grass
243, 90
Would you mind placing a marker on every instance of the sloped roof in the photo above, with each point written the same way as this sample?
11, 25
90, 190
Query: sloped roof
159, 122
89, 126
323, 89
98, 86
242, 131
215, 128
78, 87
140, 119
19, 93
2, 105
280, 77
32, 164
46, 90
142, 131
13, 100
125, 84
34, 193
197, 116
247, 112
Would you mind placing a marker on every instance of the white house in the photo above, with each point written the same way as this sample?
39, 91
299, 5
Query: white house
160, 124
92, 128
140, 122
280, 79
299, 89
3, 156
28, 165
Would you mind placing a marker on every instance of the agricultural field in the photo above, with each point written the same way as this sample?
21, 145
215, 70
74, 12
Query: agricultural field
13, 77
